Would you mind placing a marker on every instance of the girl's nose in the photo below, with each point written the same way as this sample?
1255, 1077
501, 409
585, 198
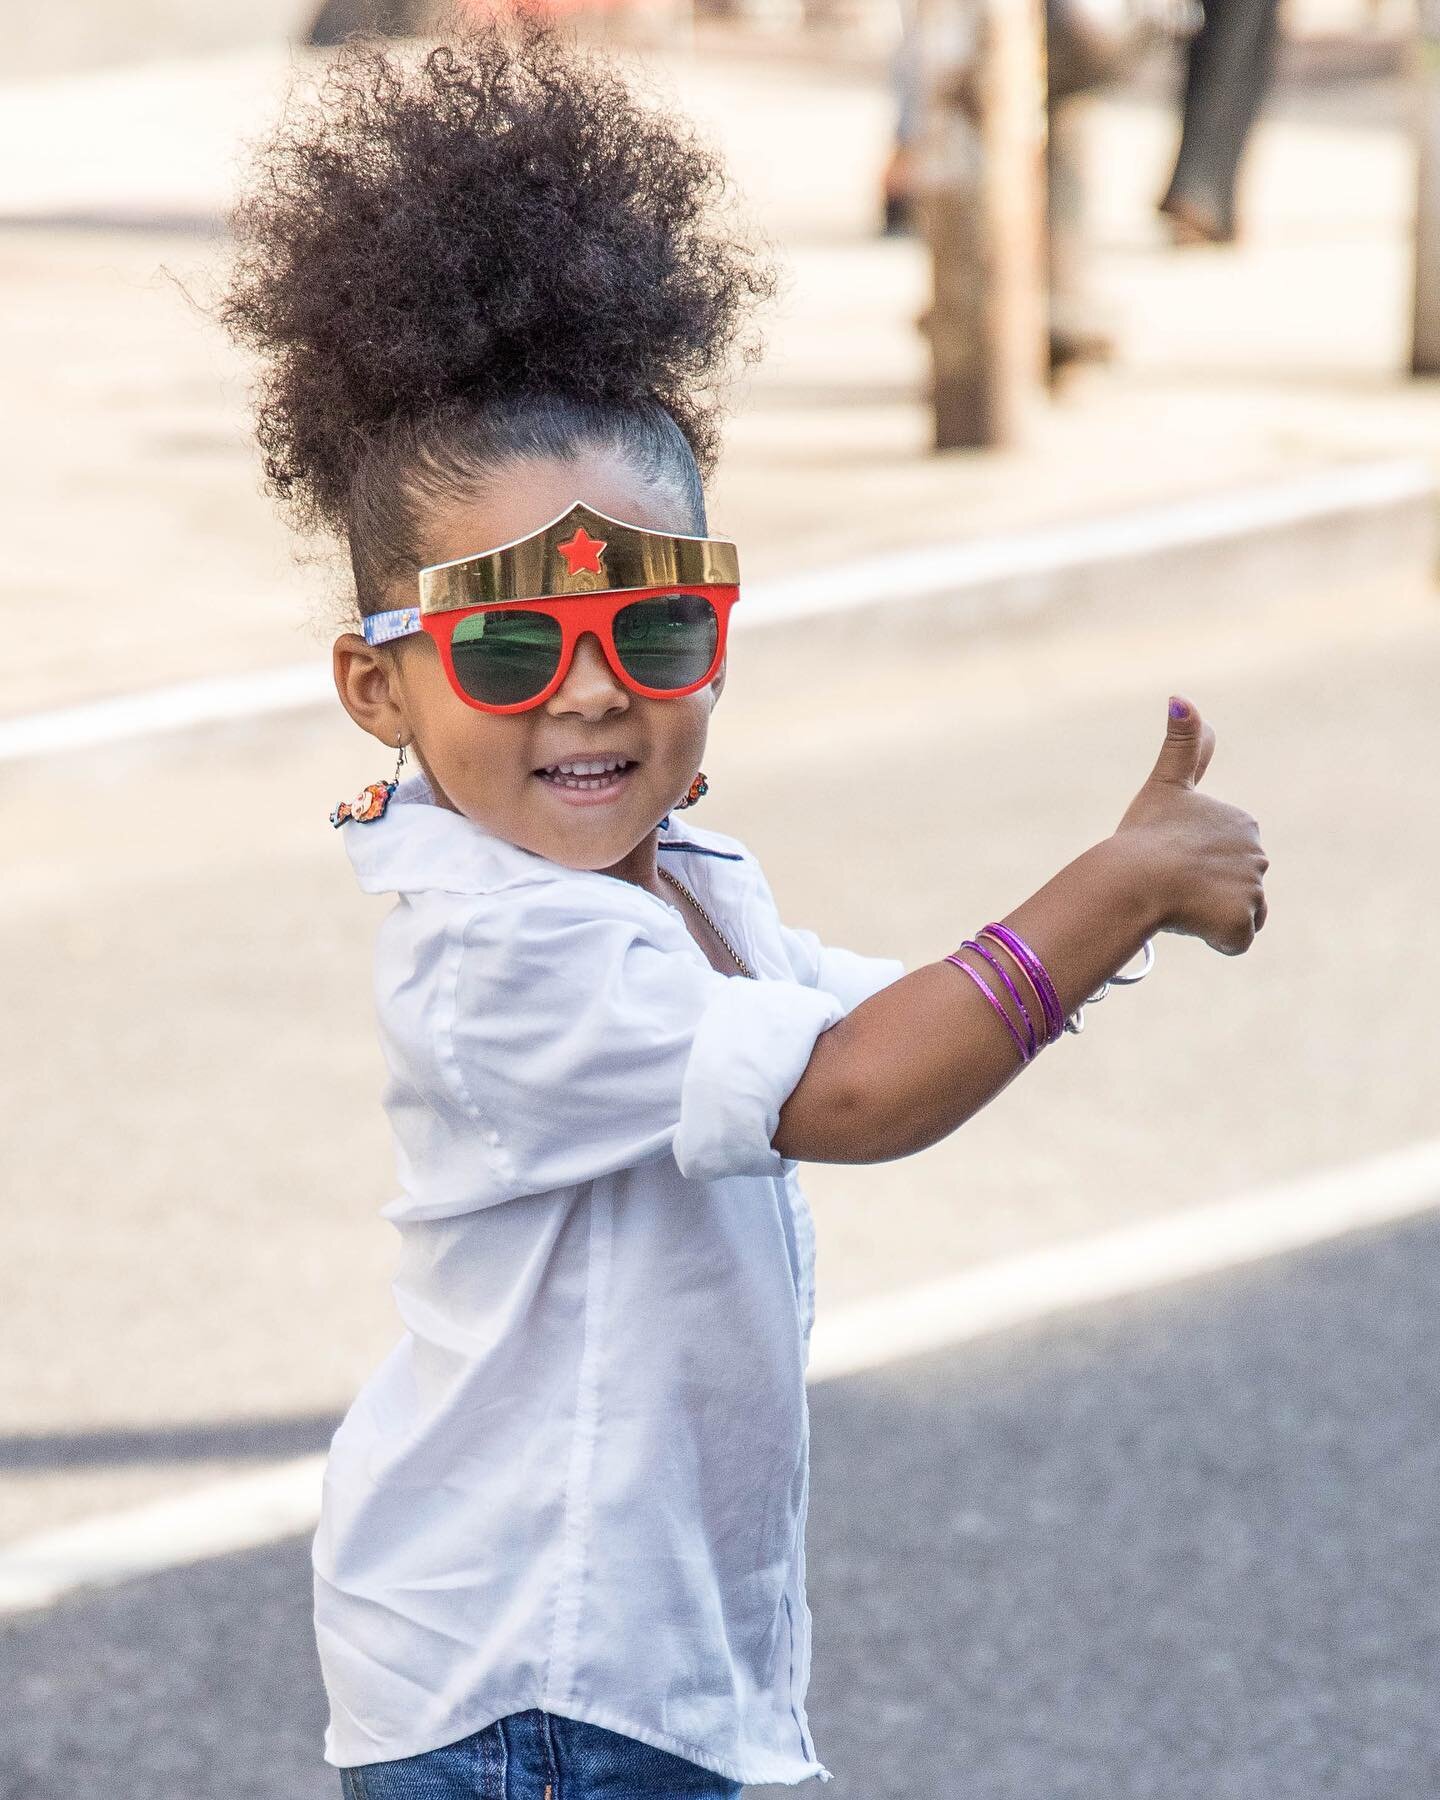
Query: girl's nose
590, 686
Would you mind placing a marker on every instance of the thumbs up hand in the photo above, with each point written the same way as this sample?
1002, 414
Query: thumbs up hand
1203, 855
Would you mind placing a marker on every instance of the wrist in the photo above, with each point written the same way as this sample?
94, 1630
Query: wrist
1140, 878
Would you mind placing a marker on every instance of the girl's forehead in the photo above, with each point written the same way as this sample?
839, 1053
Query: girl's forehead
522, 497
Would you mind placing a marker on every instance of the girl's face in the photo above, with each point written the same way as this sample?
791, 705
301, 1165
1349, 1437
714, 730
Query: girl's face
486, 765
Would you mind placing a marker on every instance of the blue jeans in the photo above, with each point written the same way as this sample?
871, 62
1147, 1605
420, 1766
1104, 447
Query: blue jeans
539, 1756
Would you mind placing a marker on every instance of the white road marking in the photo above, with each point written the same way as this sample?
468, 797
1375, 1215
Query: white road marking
244, 1512
960, 570
153, 711
1198, 1241
210, 1521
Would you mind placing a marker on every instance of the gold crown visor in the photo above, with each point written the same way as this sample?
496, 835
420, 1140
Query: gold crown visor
580, 552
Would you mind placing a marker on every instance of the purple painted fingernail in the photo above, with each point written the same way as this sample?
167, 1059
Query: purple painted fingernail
1179, 710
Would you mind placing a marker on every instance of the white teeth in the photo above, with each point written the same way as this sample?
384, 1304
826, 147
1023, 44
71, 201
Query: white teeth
607, 767
587, 775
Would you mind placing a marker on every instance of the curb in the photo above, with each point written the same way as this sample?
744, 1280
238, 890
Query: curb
1337, 526
1371, 521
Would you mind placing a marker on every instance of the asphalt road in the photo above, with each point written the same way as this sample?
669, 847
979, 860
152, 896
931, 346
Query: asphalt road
1181, 1547
1176, 1547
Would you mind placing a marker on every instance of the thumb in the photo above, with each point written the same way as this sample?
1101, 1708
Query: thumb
1179, 758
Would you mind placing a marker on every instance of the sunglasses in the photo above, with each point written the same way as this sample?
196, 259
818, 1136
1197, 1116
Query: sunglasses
507, 656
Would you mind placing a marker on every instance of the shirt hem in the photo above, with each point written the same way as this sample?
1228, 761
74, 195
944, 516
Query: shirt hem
783, 1771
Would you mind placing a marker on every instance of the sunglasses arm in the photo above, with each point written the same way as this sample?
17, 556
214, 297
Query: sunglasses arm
385, 627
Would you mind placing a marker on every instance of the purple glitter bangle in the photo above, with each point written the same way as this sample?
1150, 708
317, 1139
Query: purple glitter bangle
1036, 986
1015, 994
989, 994
1035, 971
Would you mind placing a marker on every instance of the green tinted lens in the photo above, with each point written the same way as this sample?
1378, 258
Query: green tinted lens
668, 642
503, 658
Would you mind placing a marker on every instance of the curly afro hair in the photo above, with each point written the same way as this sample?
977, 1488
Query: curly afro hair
450, 261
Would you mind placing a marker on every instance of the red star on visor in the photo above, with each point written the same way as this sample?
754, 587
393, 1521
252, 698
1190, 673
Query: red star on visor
582, 552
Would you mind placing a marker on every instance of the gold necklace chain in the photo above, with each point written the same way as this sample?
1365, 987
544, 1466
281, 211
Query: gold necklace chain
675, 881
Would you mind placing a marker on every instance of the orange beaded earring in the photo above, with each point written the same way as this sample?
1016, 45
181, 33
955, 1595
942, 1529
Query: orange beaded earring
370, 803
698, 787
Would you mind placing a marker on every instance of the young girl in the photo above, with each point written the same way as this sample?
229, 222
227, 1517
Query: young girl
561, 1553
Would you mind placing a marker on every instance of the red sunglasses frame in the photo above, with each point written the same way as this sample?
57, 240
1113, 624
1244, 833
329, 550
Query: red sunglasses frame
578, 614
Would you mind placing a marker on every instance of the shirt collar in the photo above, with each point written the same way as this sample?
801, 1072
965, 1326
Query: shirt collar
417, 846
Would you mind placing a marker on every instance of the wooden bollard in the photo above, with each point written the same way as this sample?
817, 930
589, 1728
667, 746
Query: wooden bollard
1425, 337
981, 194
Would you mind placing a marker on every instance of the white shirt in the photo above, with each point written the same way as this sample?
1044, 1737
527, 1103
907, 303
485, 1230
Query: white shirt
579, 1481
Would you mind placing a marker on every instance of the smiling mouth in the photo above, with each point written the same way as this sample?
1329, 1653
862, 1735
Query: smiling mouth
587, 775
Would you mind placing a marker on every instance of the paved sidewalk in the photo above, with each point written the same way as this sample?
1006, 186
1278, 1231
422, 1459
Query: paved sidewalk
132, 464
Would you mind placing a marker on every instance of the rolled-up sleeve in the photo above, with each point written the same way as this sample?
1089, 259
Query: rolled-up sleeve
560, 1048
750, 1048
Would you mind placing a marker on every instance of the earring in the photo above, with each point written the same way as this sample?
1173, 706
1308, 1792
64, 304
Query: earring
370, 803
698, 787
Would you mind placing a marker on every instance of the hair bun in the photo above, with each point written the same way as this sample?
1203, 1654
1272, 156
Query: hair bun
496, 219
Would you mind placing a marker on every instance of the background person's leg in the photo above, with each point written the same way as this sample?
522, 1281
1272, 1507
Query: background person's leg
1228, 68
1078, 332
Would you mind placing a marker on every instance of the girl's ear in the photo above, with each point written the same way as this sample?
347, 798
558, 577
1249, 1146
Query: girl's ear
717, 686
367, 681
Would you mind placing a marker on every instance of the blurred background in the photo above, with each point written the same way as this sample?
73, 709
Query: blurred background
1100, 373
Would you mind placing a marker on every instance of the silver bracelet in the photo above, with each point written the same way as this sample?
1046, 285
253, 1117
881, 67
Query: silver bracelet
1076, 1020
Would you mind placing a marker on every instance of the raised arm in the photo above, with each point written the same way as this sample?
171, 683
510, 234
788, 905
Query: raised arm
909, 1065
